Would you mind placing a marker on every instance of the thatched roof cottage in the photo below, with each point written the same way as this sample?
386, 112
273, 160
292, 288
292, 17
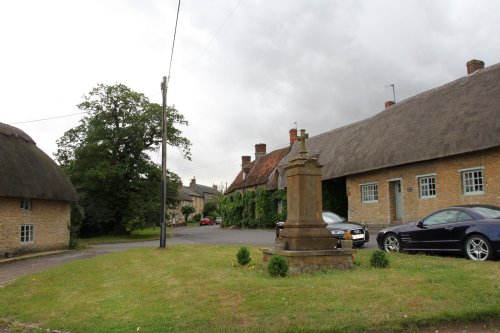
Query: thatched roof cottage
35, 197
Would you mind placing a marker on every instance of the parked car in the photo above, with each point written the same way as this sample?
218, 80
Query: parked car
218, 220
472, 230
207, 221
338, 225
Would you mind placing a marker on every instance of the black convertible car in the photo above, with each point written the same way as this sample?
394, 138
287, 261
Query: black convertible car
473, 230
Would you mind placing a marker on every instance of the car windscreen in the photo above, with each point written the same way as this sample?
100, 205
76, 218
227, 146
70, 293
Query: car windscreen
330, 217
489, 212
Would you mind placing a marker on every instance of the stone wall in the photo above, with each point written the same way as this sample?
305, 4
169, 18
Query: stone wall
50, 218
449, 189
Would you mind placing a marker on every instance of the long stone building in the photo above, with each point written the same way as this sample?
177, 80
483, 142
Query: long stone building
433, 150
35, 197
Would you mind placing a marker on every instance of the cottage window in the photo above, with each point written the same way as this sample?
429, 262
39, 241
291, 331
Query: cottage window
27, 233
25, 204
472, 181
369, 192
427, 186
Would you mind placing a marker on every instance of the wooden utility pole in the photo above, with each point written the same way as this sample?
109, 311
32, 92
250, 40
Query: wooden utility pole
163, 185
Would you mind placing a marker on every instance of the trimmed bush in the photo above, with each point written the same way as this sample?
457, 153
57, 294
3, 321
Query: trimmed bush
243, 256
278, 266
379, 259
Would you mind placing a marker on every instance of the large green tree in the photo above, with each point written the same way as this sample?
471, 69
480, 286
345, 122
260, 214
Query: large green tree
106, 158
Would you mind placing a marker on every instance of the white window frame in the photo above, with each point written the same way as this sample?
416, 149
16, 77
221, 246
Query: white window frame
27, 233
369, 192
26, 204
469, 188
426, 187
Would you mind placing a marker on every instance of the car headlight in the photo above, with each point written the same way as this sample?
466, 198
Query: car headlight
337, 232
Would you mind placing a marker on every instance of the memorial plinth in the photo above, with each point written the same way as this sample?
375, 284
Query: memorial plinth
304, 240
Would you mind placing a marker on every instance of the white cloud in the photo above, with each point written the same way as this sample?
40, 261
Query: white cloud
322, 64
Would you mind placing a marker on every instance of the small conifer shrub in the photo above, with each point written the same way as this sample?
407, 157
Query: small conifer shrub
379, 259
243, 256
278, 266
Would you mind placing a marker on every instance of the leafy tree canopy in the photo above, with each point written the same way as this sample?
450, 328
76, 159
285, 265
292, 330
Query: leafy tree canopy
106, 158
209, 207
186, 211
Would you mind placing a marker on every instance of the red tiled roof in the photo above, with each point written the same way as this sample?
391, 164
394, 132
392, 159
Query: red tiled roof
260, 170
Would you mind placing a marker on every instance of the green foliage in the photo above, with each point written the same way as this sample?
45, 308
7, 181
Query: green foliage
278, 266
253, 209
186, 211
106, 158
77, 216
243, 256
209, 208
197, 218
379, 259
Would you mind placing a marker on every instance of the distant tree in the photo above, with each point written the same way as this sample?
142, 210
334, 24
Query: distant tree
186, 211
209, 207
106, 158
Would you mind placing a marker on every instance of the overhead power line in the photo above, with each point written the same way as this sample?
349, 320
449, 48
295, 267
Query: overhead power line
44, 119
217, 32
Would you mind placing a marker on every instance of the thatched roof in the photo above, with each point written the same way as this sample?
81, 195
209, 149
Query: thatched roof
460, 117
27, 172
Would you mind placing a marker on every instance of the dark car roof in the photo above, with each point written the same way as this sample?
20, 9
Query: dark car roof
471, 209
478, 205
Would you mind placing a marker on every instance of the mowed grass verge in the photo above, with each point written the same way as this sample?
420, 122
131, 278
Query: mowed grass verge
201, 288
139, 235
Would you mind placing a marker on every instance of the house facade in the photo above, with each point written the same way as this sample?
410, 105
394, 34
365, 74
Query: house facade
436, 149
195, 195
35, 197
262, 171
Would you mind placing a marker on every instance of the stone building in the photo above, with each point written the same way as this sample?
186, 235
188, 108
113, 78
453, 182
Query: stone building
262, 170
195, 195
433, 150
35, 197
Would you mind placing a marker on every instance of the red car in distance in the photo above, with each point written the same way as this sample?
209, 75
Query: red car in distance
206, 221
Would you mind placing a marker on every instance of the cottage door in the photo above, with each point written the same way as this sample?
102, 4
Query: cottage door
399, 200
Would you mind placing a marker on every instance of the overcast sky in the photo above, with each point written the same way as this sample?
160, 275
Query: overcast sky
244, 71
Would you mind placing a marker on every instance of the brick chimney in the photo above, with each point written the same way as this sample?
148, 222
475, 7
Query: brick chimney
260, 150
193, 182
474, 65
389, 104
245, 165
293, 136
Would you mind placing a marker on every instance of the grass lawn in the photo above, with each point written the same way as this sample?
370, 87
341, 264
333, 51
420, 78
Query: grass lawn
145, 234
201, 288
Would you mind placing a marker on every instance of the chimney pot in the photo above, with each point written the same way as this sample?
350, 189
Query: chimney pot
245, 161
260, 150
293, 136
193, 182
389, 104
474, 65
245, 165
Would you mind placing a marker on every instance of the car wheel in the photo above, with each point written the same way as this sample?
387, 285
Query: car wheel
391, 243
478, 247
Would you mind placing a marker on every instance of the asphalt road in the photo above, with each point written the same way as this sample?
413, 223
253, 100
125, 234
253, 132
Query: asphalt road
182, 235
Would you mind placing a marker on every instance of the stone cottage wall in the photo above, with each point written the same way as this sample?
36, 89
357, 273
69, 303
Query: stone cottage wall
449, 190
50, 218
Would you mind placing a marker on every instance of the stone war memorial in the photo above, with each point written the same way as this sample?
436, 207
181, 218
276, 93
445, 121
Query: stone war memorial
305, 241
